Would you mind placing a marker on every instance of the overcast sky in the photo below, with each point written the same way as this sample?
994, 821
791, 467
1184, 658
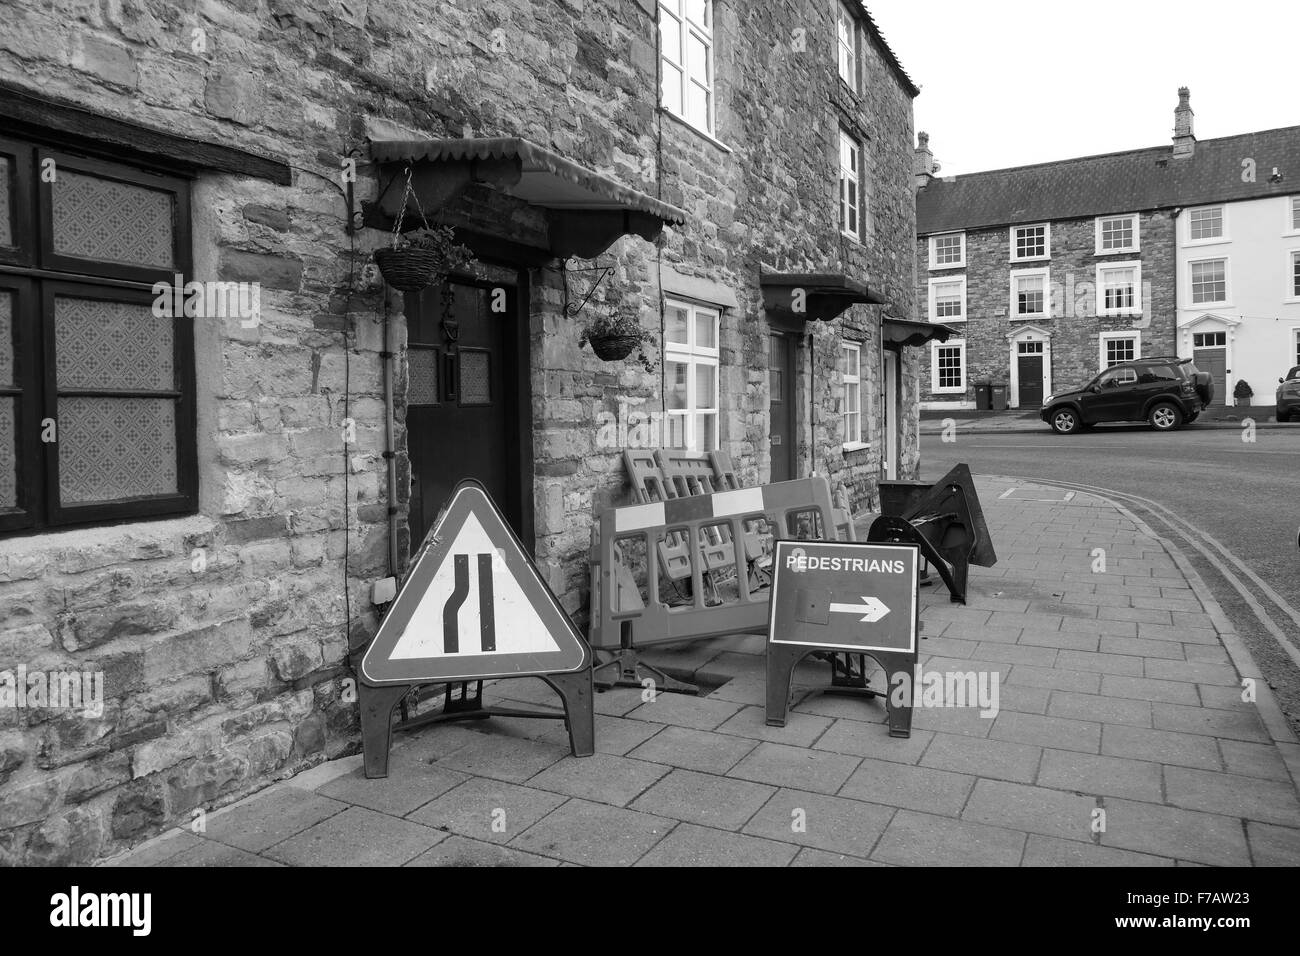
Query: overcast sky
1012, 82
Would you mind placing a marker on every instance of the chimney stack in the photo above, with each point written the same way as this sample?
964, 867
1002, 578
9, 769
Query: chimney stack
924, 166
1184, 137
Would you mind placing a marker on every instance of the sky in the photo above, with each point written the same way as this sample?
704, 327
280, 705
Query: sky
1011, 82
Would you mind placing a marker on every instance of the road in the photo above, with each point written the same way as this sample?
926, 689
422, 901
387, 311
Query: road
1245, 495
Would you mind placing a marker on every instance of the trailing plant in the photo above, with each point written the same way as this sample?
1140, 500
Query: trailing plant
615, 336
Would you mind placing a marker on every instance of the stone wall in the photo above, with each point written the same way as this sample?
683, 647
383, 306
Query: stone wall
224, 635
1075, 326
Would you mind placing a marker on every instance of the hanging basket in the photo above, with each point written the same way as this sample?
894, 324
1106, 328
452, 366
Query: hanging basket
409, 269
614, 348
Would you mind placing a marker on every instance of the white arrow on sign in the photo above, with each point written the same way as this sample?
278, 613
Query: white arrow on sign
875, 609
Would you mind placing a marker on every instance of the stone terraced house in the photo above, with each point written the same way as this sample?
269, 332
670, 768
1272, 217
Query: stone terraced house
200, 485
1056, 271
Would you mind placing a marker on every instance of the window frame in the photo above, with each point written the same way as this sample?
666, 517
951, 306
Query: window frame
1216, 345
1136, 223
1227, 283
850, 442
935, 265
1014, 304
36, 275
691, 355
1292, 275
935, 348
1117, 336
854, 55
1105, 267
1047, 242
705, 33
858, 208
1210, 240
933, 303
1291, 221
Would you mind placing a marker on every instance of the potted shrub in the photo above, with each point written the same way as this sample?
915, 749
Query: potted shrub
419, 259
1243, 393
614, 337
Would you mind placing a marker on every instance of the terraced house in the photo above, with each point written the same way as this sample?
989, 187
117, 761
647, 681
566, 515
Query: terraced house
218, 427
1059, 270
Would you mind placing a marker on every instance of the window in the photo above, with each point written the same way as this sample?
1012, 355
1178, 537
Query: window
948, 300
1117, 347
1209, 340
1293, 214
1119, 289
1117, 377
948, 252
686, 47
850, 186
846, 30
1030, 297
96, 374
1031, 242
1210, 282
851, 393
691, 376
1205, 224
1117, 234
1296, 351
948, 367
1295, 275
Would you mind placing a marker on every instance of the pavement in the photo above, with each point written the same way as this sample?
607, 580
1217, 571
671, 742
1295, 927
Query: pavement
1121, 738
1027, 420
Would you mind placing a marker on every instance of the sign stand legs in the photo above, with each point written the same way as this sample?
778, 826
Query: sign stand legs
782, 659
576, 692
377, 705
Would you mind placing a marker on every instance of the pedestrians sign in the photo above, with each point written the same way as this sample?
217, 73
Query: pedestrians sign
474, 607
843, 597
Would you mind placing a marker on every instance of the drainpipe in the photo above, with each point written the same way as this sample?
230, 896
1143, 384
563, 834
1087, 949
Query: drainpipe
390, 452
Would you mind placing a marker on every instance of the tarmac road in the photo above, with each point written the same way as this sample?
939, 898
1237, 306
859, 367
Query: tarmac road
1243, 494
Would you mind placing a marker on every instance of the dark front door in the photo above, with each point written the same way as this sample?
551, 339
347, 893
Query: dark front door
780, 374
463, 399
1031, 380
1214, 361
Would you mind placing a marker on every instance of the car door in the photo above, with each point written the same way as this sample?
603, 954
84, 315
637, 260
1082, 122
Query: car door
1114, 399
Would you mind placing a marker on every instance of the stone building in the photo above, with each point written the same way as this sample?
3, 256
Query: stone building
1056, 271
200, 484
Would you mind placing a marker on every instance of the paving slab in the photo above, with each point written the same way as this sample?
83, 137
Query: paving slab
703, 798
691, 845
916, 788
603, 778
460, 851
356, 837
487, 810
921, 839
834, 824
785, 766
267, 818
594, 834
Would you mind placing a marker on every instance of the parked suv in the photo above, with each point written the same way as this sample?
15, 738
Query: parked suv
1166, 391
1288, 396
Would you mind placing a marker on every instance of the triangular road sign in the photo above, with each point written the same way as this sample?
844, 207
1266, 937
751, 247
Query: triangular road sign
473, 607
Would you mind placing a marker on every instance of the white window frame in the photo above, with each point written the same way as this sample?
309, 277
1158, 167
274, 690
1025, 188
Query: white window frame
847, 46
676, 60
1227, 283
1292, 280
935, 348
1013, 302
1102, 269
1104, 337
1291, 222
1047, 242
1295, 345
852, 383
935, 265
849, 144
1212, 240
934, 306
1134, 220
693, 355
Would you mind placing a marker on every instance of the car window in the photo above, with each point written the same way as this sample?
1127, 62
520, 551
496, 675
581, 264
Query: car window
1160, 373
1294, 373
1117, 377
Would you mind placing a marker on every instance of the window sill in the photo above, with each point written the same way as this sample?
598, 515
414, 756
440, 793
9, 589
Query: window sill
704, 134
1202, 243
125, 537
856, 446
1016, 262
950, 267
1119, 315
1117, 252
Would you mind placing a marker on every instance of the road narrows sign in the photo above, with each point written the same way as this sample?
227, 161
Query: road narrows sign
474, 607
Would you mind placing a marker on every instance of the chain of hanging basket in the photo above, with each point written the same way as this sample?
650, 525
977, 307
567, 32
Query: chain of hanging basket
407, 268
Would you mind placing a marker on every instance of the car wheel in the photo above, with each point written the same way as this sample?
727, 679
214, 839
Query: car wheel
1165, 417
1065, 421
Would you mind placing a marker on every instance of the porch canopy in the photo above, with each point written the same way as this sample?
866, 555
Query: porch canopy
586, 211
896, 333
819, 297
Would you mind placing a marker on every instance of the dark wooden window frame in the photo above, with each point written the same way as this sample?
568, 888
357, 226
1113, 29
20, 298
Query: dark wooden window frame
35, 274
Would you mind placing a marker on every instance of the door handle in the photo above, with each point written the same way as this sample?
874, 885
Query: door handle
449, 376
